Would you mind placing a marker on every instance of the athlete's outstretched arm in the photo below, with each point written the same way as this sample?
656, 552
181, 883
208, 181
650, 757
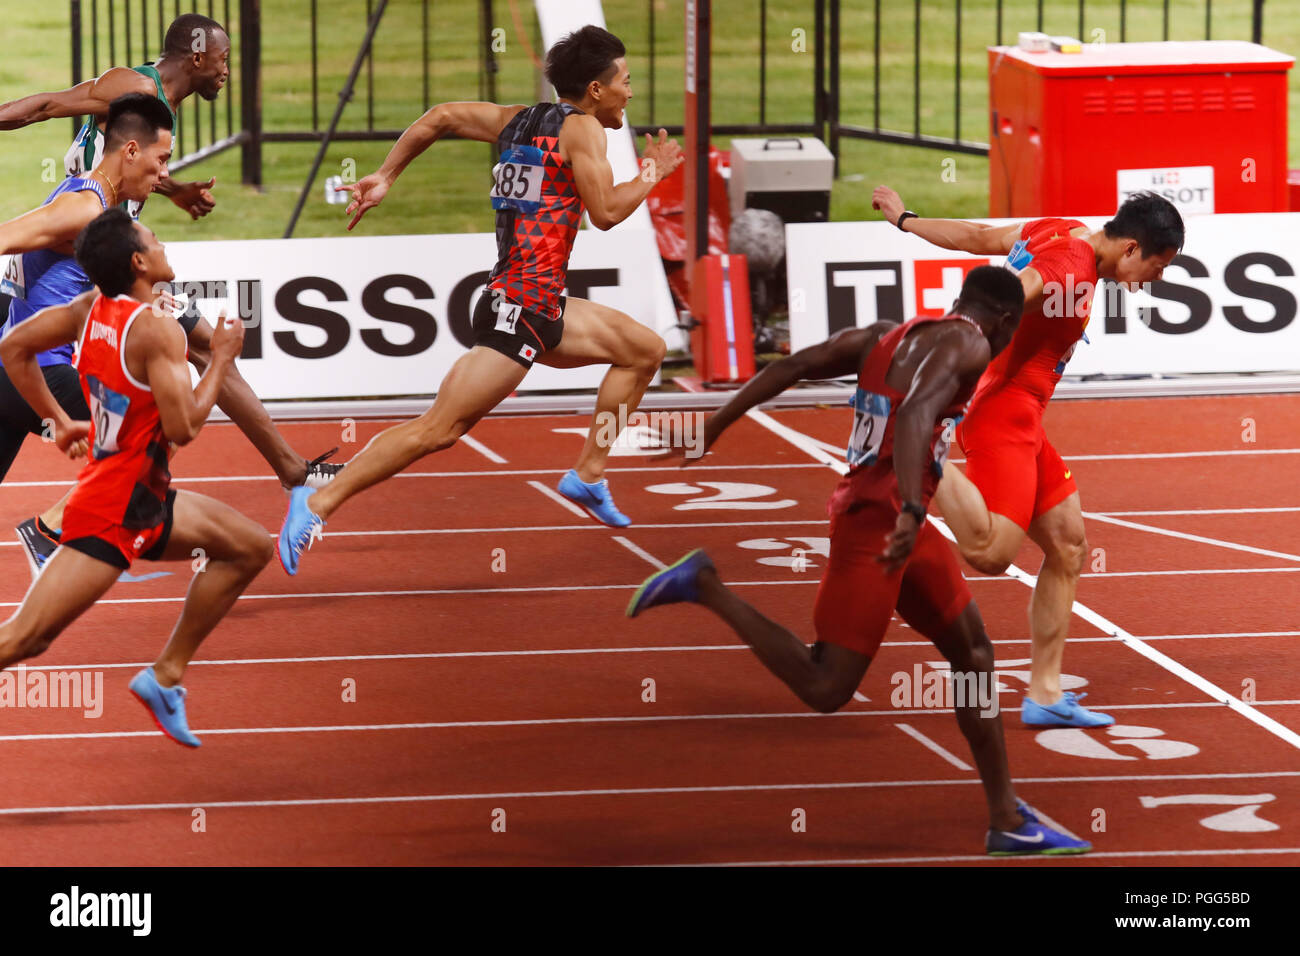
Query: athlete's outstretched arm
90, 98
480, 121
181, 409
958, 359
47, 329
840, 355
50, 225
583, 140
974, 237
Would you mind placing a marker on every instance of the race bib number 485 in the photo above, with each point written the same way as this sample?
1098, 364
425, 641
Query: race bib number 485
870, 416
517, 180
107, 410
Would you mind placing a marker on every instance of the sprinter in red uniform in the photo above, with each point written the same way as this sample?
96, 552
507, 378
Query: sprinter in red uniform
913, 383
1016, 484
132, 362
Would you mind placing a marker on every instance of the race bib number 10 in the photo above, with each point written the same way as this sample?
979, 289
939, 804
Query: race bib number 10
870, 416
517, 180
107, 410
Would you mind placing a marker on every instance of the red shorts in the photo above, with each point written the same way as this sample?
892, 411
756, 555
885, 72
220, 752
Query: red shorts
1011, 462
857, 597
111, 543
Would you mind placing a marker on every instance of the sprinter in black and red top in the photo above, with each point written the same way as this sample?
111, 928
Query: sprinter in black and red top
132, 363
552, 165
914, 380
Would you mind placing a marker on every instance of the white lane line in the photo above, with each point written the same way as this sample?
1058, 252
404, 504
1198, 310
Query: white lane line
504, 473
560, 500
998, 861
557, 588
1209, 688
483, 449
640, 553
857, 695
1197, 511
1200, 539
586, 526
655, 649
638, 791
1161, 455
929, 744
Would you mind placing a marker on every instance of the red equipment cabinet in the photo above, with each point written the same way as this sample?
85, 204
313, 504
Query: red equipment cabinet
1062, 126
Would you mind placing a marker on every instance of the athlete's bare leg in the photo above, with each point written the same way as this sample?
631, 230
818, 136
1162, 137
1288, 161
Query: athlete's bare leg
228, 550
1060, 533
823, 676
988, 541
593, 335
967, 647
70, 584
476, 384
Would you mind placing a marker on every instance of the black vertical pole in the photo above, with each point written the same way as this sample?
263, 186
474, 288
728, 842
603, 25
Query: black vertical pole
833, 93
819, 68
704, 124
762, 63
424, 50
489, 69
1257, 23
250, 79
75, 17
956, 134
370, 74
875, 70
651, 120
315, 68
916, 69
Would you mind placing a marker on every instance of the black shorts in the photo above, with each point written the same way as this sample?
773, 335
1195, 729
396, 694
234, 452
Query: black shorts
17, 420
514, 331
118, 553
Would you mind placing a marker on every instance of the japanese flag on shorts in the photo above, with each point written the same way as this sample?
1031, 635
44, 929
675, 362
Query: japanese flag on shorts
527, 352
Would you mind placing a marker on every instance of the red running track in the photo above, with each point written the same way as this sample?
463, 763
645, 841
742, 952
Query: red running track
496, 681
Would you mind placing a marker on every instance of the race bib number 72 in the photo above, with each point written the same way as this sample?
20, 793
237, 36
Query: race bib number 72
107, 411
517, 180
870, 416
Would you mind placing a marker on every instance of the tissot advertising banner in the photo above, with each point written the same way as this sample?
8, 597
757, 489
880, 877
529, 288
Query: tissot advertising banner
1227, 303
382, 316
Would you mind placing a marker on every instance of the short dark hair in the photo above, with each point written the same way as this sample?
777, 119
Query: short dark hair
135, 116
580, 57
992, 290
1150, 219
180, 35
104, 250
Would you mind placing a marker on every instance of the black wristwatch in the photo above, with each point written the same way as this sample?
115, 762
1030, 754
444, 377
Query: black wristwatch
915, 510
904, 215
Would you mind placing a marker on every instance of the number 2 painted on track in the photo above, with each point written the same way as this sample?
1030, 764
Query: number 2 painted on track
1240, 820
727, 496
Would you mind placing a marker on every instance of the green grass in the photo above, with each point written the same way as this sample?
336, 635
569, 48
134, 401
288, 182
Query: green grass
445, 190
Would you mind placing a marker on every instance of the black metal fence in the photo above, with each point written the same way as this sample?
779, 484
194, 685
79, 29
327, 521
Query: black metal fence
944, 36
